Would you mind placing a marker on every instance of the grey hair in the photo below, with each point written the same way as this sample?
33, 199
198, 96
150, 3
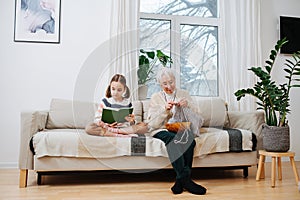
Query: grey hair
164, 71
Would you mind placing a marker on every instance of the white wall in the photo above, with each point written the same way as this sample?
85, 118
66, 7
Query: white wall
270, 12
33, 73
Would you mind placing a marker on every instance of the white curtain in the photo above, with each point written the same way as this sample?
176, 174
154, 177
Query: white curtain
124, 42
241, 48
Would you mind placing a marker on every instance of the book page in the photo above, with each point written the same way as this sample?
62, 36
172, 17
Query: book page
115, 115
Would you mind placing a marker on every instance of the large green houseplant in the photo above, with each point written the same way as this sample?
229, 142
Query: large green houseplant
274, 98
147, 61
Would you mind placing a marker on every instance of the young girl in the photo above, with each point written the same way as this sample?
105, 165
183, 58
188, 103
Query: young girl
117, 94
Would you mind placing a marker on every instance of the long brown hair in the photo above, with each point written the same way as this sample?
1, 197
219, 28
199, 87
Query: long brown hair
121, 79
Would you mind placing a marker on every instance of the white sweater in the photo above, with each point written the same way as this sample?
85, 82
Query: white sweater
158, 116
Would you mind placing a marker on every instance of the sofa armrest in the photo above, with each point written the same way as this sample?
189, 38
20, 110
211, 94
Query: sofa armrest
31, 123
247, 120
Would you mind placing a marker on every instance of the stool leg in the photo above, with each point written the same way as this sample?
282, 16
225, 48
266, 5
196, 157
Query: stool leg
273, 172
260, 167
262, 175
279, 168
294, 169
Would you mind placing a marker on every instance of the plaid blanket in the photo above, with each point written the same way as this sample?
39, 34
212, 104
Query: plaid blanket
212, 141
76, 143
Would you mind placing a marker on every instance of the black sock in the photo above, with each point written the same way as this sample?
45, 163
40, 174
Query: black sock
177, 187
193, 187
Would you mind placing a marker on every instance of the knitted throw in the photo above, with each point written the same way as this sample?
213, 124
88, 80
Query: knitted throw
185, 114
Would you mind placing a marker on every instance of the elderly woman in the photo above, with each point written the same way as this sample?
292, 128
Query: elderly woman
161, 109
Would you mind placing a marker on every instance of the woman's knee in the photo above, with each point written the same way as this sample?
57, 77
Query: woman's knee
193, 144
165, 136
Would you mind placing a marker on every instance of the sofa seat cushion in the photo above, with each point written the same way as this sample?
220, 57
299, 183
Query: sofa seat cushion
76, 143
215, 140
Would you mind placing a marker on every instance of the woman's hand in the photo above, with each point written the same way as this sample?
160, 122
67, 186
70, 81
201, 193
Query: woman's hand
182, 102
170, 105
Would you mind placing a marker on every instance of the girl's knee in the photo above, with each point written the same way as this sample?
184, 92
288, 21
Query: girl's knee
93, 129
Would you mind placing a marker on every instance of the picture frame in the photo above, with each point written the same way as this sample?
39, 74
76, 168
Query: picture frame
37, 21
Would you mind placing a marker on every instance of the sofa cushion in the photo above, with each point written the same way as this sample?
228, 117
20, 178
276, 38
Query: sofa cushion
70, 114
213, 110
138, 110
145, 108
77, 114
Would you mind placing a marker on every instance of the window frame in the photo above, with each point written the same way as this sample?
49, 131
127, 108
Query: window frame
178, 20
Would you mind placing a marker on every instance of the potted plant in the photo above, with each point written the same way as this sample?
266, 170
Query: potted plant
274, 98
147, 62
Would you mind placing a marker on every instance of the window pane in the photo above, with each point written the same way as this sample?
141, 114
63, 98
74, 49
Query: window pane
199, 60
155, 35
195, 8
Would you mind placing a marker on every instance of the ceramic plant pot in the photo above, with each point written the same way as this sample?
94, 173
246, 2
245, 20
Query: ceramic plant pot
142, 92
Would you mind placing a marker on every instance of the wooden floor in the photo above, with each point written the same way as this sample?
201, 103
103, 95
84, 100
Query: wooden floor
221, 184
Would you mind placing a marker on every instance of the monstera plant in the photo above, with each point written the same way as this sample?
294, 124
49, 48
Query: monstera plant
147, 61
274, 98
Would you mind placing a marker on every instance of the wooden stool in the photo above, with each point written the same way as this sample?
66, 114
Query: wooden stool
261, 165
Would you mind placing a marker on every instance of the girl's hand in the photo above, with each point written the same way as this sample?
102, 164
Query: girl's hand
113, 124
105, 125
130, 118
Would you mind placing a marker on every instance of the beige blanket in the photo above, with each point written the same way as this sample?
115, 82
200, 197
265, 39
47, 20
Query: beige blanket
76, 143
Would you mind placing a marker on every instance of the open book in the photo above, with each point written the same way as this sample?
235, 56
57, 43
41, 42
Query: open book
111, 115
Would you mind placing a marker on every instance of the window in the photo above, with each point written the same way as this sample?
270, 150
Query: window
187, 30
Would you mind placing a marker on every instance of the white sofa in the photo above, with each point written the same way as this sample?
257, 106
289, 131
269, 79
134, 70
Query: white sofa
60, 143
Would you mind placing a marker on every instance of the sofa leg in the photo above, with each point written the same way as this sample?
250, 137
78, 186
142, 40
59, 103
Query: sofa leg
39, 178
23, 178
245, 172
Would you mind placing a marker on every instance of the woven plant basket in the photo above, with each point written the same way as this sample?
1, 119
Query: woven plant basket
276, 139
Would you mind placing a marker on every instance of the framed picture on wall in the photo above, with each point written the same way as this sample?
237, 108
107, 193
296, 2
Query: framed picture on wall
37, 21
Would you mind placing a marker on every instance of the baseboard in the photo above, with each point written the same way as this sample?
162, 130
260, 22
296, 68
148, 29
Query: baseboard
8, 165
